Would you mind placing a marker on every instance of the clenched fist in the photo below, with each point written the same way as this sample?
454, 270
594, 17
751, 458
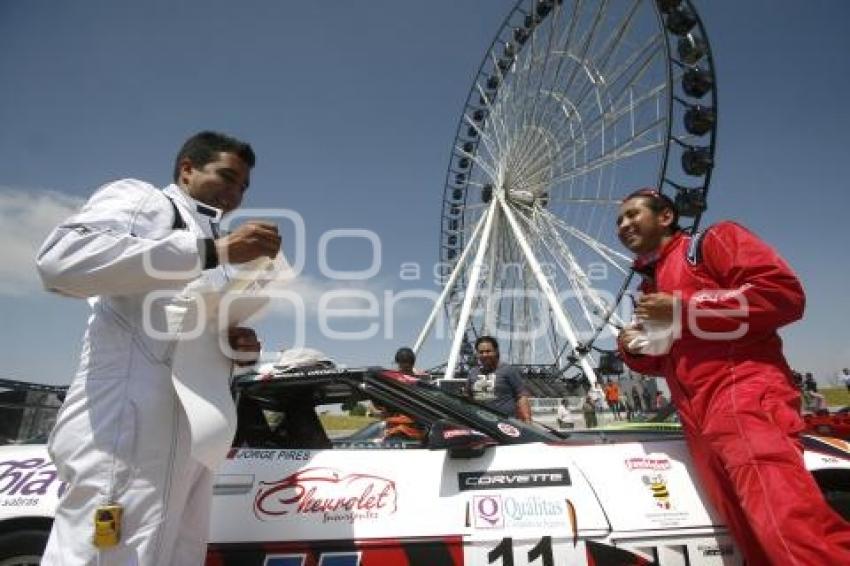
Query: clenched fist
251, 240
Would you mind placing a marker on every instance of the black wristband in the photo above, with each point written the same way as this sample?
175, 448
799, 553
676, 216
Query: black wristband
210, 253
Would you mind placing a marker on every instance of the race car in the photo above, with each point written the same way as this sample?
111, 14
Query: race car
835, 424
461, 486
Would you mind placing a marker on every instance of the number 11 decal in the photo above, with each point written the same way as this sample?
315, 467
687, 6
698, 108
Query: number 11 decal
505, 551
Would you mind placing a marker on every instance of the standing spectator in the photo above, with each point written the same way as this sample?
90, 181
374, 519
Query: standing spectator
636, 401
612, 397
597, 395
810, 384
660, 401
845, 375
626, 405
717, 300
563, 417
122, 440
647, 399
497, 385
588, 409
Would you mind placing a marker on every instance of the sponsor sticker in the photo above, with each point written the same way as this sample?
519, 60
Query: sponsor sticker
649, 463
657, 485
448, 434
23, 482
528, 511
487, 512
653, 471
506, 479
326, 495
508, 429
269, 455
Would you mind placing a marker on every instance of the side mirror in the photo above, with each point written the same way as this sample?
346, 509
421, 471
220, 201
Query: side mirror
461, 441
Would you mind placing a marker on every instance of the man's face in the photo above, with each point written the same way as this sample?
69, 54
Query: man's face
639, 228
406, 367
488, 356
220, 183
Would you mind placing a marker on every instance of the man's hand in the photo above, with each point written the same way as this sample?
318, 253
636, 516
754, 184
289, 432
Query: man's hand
245, 346
523, 409
251, 240
627, 336
656, 307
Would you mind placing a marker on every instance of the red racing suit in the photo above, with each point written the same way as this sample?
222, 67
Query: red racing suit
733, 389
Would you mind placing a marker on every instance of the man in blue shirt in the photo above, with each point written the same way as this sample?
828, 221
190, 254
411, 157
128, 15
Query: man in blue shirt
499, 386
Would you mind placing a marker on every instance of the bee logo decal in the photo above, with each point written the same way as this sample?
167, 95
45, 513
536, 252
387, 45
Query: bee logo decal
657, 484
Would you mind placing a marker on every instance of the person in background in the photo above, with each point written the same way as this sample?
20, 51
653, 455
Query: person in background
810, 384
405, 360
612, 397
636, 400
497, 385
707, 320
563, 417
588, 409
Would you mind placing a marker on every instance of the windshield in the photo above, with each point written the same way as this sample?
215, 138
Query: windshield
482, 416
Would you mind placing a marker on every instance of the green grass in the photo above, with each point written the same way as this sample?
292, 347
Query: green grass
344, 422
835, 396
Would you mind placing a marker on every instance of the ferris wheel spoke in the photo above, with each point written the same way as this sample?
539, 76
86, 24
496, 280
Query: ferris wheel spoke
563, 322
544, 65
638, 62
527, 64
573, 273
491, 114
608, 76
604, 251
574, 266
488, 142
605, 120
620, 153
469, 296
609, 48
591, 34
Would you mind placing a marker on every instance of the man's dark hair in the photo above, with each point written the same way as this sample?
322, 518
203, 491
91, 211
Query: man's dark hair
490, 339
205, 146
657, 202
405, 355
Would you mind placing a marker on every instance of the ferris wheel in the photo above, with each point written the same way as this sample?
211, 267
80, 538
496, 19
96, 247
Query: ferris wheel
576, 104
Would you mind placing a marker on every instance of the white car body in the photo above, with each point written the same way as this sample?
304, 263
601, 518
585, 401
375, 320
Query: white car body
537, 503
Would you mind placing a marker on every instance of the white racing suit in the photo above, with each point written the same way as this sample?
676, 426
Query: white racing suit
122, 436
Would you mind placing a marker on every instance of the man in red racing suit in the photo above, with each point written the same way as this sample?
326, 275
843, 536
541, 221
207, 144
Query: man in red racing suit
724, 296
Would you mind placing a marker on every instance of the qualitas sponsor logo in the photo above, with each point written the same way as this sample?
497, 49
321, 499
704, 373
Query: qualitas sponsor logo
648, 463
496, 511
513, 478
328, 495
22, 482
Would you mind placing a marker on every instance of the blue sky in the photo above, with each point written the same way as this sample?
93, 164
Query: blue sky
351, 108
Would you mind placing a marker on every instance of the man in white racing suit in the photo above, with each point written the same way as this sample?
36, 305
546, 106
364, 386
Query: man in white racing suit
122, 438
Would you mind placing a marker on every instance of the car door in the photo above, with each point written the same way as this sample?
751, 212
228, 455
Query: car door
307, 502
